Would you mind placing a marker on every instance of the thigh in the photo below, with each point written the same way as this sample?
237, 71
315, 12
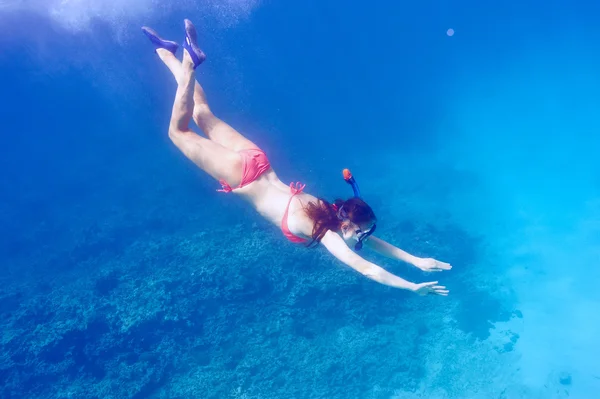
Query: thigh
221, 132
211, 157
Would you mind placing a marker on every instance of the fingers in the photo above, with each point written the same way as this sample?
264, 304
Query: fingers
441, 292
433, 288
440, 289
442, 266
434, 265
438, 267
437, 289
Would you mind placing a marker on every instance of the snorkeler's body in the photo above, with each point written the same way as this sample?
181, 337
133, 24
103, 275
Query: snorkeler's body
243, 168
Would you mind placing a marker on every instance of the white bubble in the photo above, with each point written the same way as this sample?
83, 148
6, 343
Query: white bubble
76, 15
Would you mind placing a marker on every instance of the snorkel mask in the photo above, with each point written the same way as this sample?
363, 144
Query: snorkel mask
361, 235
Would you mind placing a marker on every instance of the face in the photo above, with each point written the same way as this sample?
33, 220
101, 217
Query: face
352, 231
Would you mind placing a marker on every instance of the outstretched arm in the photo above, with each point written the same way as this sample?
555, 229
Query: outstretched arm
387, 249
338, 248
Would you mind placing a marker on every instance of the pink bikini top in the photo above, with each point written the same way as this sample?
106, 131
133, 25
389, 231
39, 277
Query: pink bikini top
295, 189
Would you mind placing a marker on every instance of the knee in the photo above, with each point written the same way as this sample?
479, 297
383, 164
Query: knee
202, 114
176, 134
172, 133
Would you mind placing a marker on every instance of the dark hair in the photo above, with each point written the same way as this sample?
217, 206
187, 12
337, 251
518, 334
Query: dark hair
325, 215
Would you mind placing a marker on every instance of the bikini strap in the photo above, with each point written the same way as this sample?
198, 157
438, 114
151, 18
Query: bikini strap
226, 187
296, 188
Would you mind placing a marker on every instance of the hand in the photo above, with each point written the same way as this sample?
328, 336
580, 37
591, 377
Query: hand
431, 265
430, 288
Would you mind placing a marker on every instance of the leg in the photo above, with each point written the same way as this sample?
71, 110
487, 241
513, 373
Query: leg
213, 127
213, 158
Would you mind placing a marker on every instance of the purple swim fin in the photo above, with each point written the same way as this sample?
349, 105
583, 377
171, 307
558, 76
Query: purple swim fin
158, 41
190, 44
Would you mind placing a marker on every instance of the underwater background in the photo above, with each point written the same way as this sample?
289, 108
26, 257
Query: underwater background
124, 274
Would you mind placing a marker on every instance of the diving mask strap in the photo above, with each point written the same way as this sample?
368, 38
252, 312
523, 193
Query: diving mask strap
342, 215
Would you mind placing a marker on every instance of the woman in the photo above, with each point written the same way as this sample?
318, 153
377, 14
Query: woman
243, 168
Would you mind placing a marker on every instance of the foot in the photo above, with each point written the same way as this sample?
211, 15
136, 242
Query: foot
190, 44
158, 41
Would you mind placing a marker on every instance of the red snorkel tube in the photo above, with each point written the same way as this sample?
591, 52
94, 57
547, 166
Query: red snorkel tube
350, 180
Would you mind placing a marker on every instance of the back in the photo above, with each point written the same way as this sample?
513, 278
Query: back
270, 197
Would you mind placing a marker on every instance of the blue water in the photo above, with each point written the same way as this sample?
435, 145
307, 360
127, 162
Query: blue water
124, 274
